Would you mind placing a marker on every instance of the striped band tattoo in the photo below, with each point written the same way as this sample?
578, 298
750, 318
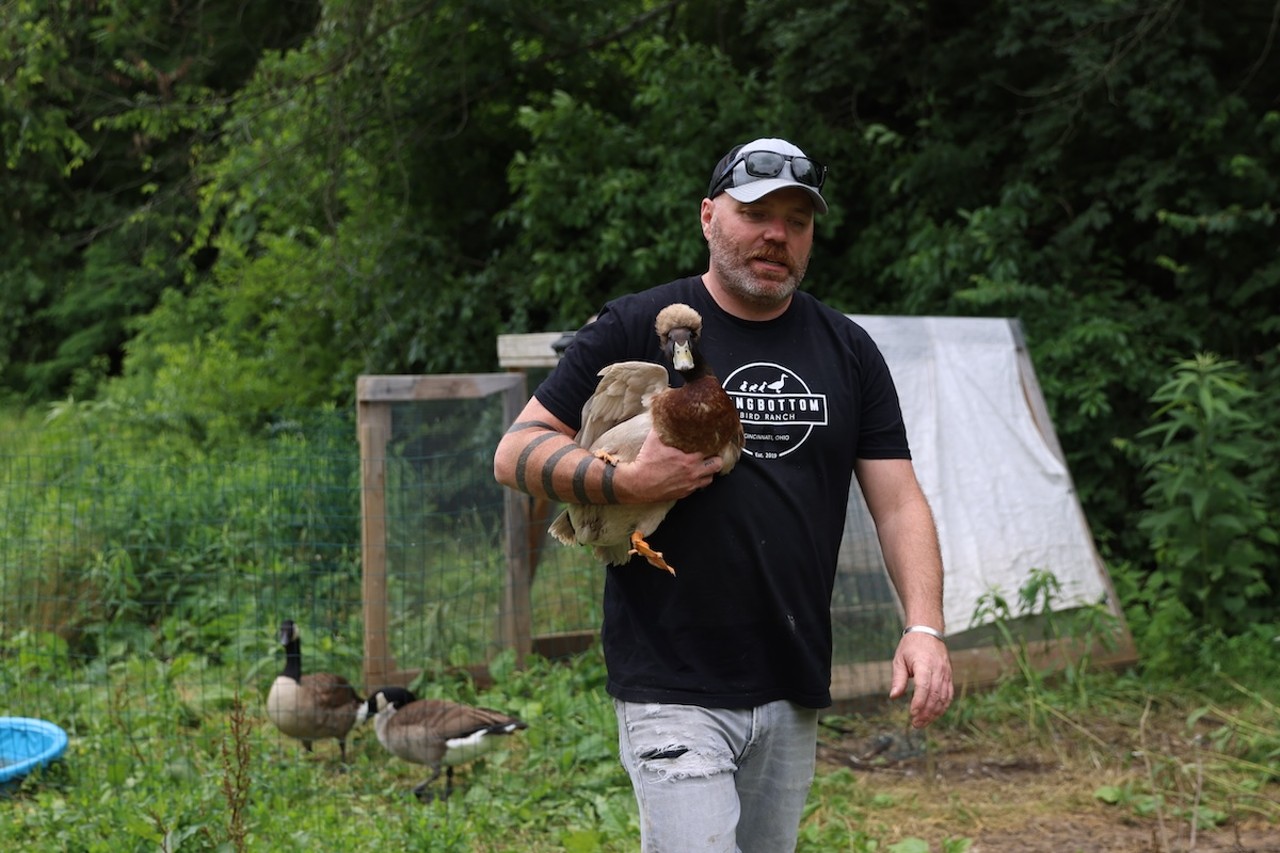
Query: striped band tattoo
520, 425
549, 470
580, 479
606, 484
523, 462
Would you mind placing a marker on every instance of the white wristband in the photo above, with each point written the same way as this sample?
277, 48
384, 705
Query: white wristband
924, 629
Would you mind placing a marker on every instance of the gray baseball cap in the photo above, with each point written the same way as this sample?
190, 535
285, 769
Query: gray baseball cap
750, 172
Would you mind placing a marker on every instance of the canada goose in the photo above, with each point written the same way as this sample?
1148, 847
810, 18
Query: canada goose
435, 732
314, 706
631, 398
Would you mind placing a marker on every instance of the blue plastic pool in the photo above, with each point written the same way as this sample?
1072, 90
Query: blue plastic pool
26, 744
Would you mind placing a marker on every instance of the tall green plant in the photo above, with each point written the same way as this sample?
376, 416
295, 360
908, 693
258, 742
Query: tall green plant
1210, 527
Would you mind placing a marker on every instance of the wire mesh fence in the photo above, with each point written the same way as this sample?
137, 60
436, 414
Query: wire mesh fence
145, 580
445, 562
132, 575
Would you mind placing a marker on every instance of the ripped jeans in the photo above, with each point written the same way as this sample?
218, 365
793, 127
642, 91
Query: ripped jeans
715, 779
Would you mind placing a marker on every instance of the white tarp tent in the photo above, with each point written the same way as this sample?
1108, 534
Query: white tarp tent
988, 461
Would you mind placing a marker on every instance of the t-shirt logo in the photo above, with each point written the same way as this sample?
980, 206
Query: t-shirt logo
777, 410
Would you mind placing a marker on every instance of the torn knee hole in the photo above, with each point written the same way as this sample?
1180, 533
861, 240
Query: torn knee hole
657, 754
676, 762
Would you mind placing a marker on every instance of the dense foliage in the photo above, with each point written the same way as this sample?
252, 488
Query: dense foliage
217, 211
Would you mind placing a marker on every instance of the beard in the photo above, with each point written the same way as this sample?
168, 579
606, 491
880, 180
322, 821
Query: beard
732, 264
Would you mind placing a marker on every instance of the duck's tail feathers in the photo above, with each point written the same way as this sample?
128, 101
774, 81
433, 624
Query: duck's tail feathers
562, 529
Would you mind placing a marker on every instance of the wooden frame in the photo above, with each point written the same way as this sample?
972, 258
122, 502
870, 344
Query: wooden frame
374, 398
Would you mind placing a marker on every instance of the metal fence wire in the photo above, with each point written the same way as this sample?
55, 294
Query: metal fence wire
149, 576
153, 564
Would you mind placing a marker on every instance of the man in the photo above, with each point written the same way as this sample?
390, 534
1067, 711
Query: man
717, 674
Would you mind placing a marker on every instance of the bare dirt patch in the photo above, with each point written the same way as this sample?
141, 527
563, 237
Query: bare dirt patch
1008, 792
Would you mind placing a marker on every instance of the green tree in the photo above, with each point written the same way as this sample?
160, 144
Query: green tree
356, 203
101, 107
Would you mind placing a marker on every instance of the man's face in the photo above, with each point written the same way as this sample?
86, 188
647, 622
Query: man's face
760, 250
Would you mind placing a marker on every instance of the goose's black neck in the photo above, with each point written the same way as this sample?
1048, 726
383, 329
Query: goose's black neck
293, 660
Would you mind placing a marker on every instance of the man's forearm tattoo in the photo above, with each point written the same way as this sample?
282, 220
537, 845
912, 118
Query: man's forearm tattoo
549, 470
522, 464
580, 479
546, 475
606, 484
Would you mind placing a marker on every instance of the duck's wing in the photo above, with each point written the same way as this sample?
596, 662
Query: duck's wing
582, 524
624, 391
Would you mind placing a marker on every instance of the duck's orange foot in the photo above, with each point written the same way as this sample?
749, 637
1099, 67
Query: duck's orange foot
607, 457
641, 547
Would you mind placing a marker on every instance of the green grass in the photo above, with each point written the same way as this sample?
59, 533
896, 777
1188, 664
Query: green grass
162, 755
178, 755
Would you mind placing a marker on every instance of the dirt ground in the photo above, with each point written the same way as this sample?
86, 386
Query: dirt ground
1010, 797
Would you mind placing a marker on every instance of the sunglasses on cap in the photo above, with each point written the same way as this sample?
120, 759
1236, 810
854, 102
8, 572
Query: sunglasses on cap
768, 164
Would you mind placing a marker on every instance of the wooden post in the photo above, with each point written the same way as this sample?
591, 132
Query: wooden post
373, 423
516, 624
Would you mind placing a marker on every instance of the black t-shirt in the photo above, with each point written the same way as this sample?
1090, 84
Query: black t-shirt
747, 620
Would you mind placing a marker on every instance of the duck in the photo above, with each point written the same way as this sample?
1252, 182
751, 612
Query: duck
436, 732
631, 398
311, 707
